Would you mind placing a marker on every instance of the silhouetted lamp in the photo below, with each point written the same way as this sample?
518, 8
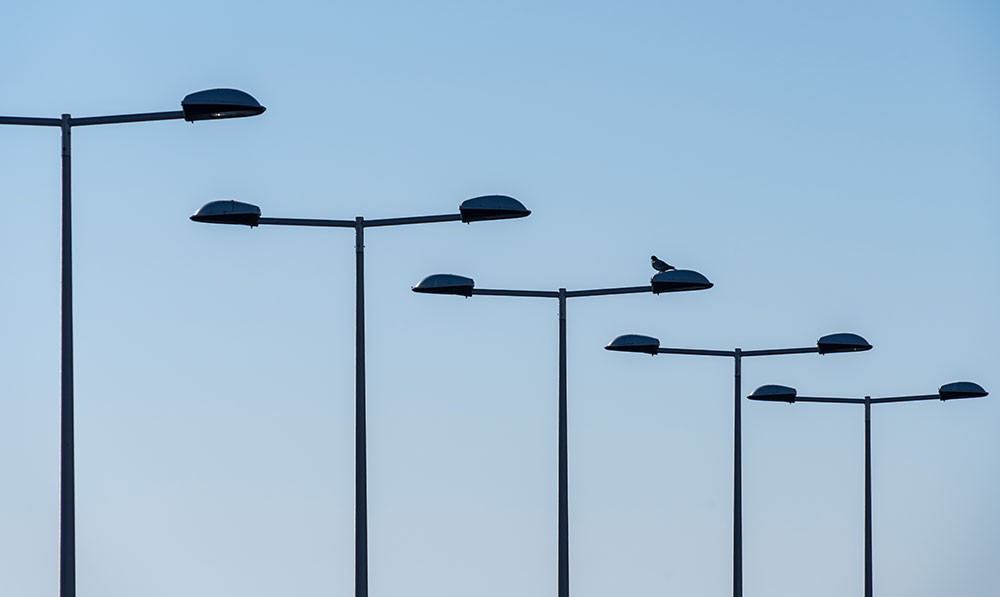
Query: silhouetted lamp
214, 104
445, 284
634, 343
961, 389
492, 207
677, 280
228, 212
671, 281
832, 343
842, 343
774, 393
950, 391
202, 105
477, 209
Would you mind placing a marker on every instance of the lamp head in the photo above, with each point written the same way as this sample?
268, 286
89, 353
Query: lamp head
215, 104
445, 284
492, 207
679, 280
228, 212
843, 342
961, 389
634, 343
774, 393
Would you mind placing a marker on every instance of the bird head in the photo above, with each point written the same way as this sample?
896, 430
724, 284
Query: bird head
653, 257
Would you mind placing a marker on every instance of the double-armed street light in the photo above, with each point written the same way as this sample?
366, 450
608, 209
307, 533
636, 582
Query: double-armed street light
478, 209
951, 391
669, 281
212, 104
833, 343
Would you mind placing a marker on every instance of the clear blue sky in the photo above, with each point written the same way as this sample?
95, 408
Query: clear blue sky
831, 168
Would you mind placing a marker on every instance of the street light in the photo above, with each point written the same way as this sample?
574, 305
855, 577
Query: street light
669, 281
832, 343
211, 104
477, 209
951, 391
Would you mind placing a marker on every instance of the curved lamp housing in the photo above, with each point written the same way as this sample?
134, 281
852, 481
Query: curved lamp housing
961, 389
677, 280
634, 343
491, 207
842, 343
445, 284
774, 393
228, 212
213, 104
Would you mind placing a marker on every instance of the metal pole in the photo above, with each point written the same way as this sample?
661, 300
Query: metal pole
360, 459
563, 460
737, 482
868, 497
67, 508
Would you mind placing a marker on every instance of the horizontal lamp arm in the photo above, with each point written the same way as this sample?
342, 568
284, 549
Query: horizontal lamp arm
831, 400
524, 293
606, 291
697, 352
306, 222
116, 119
412, 220
30, 121
905, 398
779, 351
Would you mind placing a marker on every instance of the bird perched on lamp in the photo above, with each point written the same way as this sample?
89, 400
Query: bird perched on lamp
660, 265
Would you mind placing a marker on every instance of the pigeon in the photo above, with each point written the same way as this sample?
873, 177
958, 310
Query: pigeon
660, 265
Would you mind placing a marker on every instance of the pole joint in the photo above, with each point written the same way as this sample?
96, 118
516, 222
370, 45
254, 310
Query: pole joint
65, 126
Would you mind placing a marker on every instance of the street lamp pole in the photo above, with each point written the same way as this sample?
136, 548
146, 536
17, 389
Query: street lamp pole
563, 514
489, 207
832, 343
951, 391
360, 418
737, 476
67, 458
868, 496
670, 281
211, 104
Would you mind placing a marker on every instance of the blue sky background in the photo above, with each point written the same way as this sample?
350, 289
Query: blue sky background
831, 167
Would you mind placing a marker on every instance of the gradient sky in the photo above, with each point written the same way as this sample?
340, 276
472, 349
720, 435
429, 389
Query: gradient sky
831, 168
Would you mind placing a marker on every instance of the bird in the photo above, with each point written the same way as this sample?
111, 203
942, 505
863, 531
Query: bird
660, 265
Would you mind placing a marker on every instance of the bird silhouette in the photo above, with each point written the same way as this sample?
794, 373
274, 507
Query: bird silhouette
660, 265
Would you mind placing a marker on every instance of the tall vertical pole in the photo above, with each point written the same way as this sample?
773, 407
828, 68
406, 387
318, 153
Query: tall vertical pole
360, 458
868, 497
563, 460
737, 481
67, 507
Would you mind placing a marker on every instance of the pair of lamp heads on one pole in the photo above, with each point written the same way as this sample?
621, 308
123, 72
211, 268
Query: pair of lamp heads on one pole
833, 343
477, 209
